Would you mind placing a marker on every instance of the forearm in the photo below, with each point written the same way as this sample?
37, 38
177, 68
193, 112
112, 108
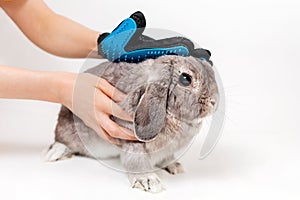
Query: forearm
51, 32
18, 83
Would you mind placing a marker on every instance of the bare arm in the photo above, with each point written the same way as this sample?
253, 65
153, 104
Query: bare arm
62, 37
16, 83
58, 87
49, 31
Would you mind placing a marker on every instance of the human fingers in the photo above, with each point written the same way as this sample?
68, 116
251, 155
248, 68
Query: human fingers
113, 129
110, 90
104, 104
104, 135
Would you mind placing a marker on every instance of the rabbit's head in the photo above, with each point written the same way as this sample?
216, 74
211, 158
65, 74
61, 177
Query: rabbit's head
184, 87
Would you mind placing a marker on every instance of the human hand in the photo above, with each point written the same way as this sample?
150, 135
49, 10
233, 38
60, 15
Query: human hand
94, 100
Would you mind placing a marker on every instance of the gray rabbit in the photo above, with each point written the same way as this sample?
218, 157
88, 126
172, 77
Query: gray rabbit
168, 97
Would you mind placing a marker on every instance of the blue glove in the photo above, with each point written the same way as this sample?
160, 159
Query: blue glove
126, 43
202, 54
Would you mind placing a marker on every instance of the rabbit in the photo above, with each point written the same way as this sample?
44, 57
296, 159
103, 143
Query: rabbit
168, 96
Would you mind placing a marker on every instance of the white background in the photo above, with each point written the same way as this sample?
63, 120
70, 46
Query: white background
255, 46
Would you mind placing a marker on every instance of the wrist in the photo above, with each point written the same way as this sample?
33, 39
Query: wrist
94, 52
65, 83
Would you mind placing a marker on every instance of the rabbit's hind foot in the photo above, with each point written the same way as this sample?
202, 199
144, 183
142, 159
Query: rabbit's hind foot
57, 151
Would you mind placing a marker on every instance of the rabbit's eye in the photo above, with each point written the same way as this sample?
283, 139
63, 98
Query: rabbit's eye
185, 79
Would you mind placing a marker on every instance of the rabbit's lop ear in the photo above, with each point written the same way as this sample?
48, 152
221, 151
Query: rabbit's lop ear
150, 114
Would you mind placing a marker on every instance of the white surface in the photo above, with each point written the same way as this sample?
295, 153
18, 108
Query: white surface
255, 46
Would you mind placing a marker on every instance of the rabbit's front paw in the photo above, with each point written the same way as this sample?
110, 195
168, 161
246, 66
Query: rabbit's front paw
147, 182
174, 168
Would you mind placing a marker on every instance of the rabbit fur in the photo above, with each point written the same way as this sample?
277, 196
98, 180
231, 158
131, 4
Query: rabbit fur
168, 97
